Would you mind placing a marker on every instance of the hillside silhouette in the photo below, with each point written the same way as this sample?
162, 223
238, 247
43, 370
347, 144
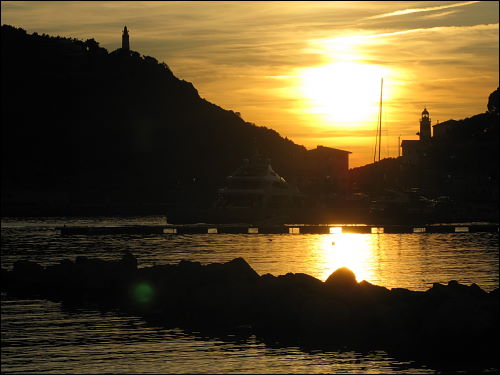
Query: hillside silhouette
85, 130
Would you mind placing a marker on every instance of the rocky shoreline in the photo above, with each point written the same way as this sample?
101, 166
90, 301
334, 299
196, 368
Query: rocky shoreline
447, 323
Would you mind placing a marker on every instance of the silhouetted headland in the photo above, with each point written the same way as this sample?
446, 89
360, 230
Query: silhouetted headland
117, 133
453, 323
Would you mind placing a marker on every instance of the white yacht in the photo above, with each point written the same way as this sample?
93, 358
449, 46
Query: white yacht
255, 192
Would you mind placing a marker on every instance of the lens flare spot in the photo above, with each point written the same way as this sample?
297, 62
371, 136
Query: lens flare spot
143, 292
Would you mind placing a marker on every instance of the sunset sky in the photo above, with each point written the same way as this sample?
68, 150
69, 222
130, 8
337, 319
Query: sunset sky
309, 70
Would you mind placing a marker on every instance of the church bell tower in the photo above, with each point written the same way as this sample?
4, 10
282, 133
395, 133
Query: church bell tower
425, 126
125, 42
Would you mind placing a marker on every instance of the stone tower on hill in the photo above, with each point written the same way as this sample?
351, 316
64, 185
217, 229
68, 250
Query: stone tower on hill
125, 41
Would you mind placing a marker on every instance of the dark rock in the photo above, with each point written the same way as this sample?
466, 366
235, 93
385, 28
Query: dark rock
5, 280
343, 278
80, 259
372, 291
239, 267
187, 264
300, 282
26, 278
476, 290
129, 260
325, 320
27, 268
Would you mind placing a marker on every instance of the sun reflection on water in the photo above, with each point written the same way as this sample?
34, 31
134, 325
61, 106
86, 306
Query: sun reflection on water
352, 250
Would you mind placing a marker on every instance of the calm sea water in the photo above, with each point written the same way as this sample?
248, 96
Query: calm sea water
41, 336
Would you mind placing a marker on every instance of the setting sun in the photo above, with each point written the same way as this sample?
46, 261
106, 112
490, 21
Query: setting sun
344, 93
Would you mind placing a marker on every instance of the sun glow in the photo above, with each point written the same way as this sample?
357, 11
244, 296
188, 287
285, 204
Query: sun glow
344, 93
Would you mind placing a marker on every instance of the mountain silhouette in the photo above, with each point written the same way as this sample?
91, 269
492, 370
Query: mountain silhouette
85, 130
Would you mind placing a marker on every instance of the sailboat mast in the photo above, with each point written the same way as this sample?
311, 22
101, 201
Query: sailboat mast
380, 120
378, 136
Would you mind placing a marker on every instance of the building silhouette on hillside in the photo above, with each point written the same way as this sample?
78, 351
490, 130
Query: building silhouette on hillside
125, 40
415, 150
425, 126
330, 165
326, 173
444, 129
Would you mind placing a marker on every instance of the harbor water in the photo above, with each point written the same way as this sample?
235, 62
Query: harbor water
47, 337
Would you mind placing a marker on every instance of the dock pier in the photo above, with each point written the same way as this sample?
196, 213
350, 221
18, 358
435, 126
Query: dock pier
277, 229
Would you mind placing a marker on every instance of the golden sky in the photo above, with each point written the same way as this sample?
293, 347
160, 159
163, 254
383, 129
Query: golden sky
310, 70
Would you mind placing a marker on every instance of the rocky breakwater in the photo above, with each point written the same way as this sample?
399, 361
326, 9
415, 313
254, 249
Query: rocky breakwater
452, 322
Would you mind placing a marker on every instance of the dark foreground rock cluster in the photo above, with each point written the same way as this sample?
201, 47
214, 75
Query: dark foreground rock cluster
453, 322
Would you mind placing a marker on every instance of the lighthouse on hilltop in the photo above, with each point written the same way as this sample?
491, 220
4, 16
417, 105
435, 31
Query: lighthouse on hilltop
125, 41
425, 126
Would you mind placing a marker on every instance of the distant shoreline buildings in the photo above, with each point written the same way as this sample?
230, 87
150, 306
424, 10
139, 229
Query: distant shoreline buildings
413, 150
